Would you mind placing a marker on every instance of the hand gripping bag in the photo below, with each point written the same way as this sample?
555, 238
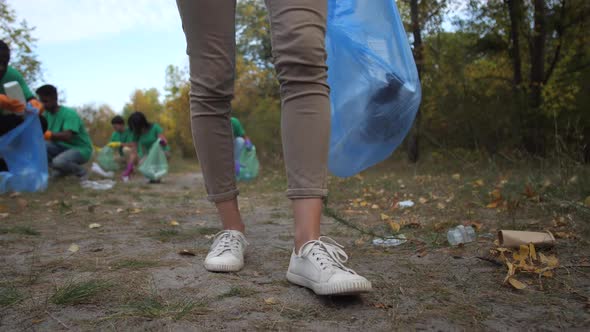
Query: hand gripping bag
24, 151
375, 89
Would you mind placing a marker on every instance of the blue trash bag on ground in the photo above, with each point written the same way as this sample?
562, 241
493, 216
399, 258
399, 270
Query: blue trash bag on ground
375, 89
24, 151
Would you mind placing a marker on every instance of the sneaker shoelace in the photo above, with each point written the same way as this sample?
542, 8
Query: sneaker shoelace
327, 252
228, 241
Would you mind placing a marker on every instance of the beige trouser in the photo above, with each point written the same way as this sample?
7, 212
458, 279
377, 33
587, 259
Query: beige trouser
298, 29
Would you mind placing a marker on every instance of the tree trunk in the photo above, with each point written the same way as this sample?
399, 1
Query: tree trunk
534, 138
414, 135
515, 10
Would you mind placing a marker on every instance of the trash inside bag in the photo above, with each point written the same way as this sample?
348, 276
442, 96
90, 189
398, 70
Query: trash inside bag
155, 165
375, 89
249, 165
24, 151
106, 159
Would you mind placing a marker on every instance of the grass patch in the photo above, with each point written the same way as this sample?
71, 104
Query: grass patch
113, 201
165, 235
21, 230
236, 291
153, 307
78, 292
134, 264
9, 296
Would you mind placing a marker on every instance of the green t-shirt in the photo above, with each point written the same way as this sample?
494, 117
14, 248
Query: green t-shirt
146, 140
67, 119
237, 128
124, 137
12, 75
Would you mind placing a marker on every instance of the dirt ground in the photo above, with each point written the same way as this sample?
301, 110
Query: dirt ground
57, 273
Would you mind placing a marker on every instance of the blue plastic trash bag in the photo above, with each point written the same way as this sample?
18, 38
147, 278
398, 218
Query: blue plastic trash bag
375, 89
23, 149
249, 165
155, 164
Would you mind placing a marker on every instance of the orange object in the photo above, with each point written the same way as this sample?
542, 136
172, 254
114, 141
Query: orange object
38, 105
11, 105
48, 135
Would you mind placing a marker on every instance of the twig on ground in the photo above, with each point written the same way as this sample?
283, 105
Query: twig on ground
57, 320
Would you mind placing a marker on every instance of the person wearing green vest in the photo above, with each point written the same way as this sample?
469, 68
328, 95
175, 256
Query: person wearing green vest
68, 143
143, 135
11, 110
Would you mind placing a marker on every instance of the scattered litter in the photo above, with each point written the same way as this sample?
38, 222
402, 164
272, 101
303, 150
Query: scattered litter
186, 252
98, 185
460, 235
94, 225
74, 248
405, 204
174, 223
390, 241
514, 239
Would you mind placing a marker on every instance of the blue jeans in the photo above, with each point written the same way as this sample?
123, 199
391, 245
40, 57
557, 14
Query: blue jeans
65, 161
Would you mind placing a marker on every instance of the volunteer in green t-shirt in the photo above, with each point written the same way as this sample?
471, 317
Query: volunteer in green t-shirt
68, 143
121, 138
143, 134
11, 110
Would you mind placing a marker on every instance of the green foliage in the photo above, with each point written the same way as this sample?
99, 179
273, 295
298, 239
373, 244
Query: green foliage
18, 35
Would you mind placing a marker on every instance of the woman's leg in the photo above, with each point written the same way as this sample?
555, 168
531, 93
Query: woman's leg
209, 27
298, 31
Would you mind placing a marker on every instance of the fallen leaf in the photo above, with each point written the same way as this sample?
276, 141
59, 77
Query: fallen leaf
385, 217
496, 195
119, 210
493, 205
135, 211
422, 200
441, 206
52, 203
532, 252
456, 176
94, 225
516, 284
186, 252
271, 301
547, 274
476, 224
174, 223
74, 248
375, 207
550, 261
395, 227
364, 203
478, 183
573, 179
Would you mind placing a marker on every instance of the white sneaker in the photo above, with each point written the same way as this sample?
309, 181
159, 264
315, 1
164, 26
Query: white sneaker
98, 170
320, 267
227, 252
